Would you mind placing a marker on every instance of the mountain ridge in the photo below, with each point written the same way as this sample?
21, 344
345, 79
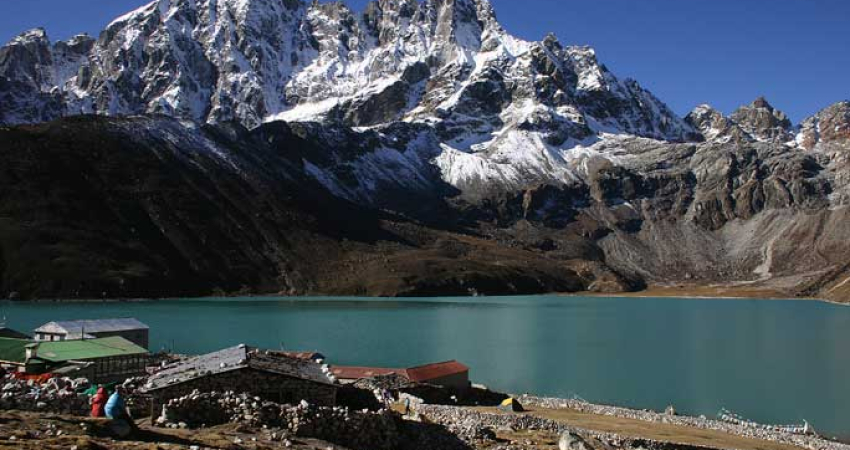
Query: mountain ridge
280, 54
467, 160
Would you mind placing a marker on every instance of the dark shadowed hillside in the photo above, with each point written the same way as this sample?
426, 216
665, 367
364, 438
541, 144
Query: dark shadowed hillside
145, 207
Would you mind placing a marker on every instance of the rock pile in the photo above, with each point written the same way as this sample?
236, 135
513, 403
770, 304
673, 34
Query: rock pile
137, 402
353, 429
469, 429
56, 395
572, 441
468, 424
390, 382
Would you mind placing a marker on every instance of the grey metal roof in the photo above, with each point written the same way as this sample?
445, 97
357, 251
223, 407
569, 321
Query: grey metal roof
75, 328
236, 358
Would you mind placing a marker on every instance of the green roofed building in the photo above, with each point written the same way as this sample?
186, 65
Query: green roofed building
88, 349
13, 352
100, 360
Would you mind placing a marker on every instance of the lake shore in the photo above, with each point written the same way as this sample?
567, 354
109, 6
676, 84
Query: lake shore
732, 292
683, 429
684, 292
740, 291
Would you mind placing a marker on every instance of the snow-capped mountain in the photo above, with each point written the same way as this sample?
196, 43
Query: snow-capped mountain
227, 141
504, 113
441, 61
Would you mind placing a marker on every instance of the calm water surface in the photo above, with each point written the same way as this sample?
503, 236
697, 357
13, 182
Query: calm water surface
771, 361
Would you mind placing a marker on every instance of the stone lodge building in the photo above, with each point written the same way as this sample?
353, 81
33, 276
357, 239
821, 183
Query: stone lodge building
242, 369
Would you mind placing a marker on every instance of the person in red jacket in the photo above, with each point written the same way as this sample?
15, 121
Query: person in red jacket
98, 402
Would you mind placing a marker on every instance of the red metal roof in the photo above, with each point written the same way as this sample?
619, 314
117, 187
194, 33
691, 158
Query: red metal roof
426, 373
357, 373
421, 374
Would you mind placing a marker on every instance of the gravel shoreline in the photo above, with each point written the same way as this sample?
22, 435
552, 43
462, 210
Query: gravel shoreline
469, 424
809, 442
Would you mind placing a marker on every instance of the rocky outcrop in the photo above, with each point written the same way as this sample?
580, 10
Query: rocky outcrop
714, 126
758, 121
830, 126
763, 122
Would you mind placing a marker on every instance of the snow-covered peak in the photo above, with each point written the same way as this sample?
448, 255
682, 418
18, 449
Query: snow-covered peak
591, 76
435, 61
80, 39
490, 110
758, 121
711, 123
704, 110
33, 35
144, 11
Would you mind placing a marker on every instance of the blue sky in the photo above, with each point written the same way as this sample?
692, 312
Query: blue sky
722, 52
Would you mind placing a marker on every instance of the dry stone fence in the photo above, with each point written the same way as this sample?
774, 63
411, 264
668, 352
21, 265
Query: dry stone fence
355, 429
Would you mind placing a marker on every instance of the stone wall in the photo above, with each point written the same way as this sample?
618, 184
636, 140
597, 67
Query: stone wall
358, 430
269, 386
57, 395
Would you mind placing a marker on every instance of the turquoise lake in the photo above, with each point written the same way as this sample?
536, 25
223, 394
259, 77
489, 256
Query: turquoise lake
770, 361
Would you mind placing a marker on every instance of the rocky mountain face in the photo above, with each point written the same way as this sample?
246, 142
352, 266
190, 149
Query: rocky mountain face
413, 148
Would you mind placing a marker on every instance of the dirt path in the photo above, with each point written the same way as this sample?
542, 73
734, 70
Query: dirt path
654, 431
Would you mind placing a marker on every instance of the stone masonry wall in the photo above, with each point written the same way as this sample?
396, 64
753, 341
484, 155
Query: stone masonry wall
357, 430
269, 386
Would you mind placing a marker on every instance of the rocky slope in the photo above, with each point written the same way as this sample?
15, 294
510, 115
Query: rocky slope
151, 207
413, 148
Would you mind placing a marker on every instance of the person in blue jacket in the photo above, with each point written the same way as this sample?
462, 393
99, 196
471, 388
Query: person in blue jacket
116, 408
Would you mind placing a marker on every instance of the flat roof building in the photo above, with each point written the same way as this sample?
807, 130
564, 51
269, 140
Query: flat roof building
13, 352
72, 330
